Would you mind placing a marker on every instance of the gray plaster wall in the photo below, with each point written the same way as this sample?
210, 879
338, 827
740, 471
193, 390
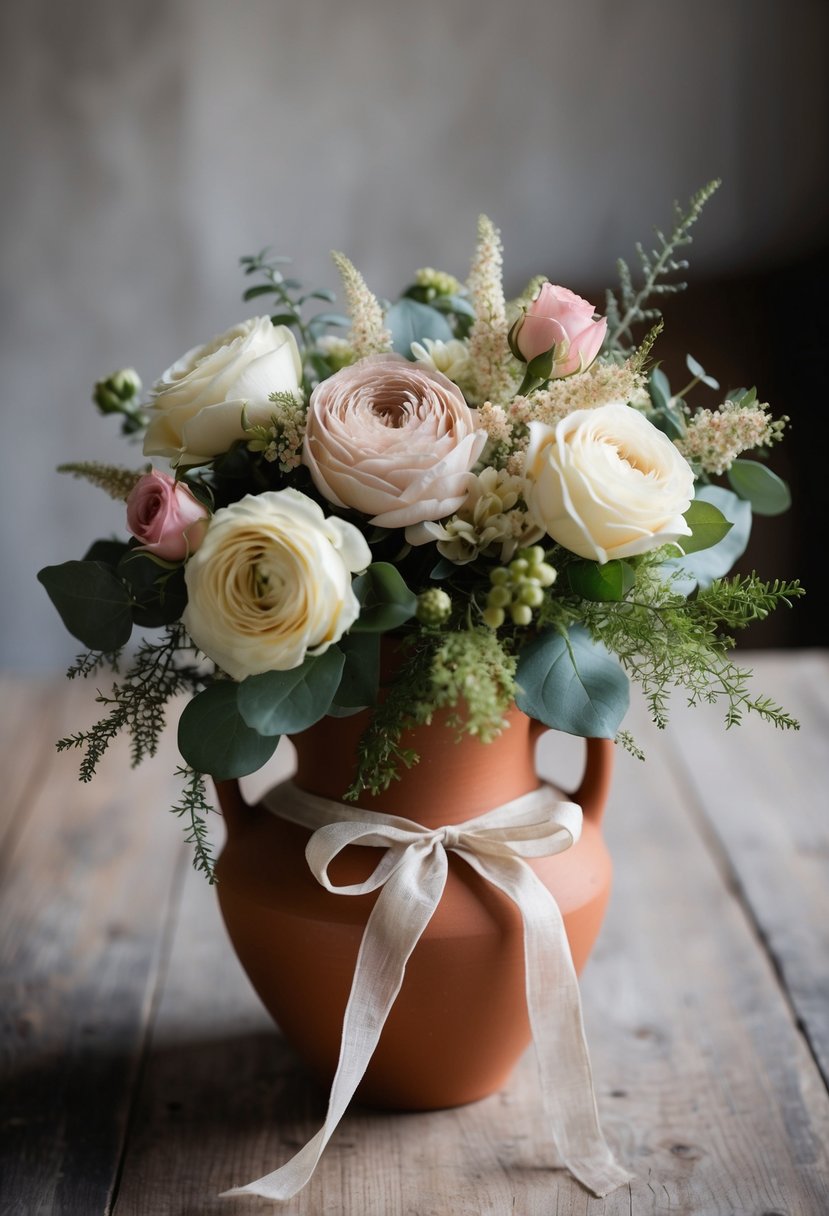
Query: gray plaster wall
146, 144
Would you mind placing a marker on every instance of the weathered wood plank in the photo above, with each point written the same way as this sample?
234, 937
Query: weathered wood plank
764, 800
84, 906
704, 1082
29, 713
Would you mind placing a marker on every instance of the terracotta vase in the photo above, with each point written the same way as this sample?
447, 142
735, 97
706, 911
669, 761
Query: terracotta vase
460, 1021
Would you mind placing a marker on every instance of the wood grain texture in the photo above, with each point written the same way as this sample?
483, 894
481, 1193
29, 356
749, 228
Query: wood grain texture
694, 1001
765, 804
84, 906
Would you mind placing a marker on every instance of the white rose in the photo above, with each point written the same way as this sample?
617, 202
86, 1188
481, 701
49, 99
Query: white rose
605, 483
271, 583
196, 410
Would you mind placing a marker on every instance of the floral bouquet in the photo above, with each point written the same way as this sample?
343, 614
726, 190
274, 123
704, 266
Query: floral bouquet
509, 487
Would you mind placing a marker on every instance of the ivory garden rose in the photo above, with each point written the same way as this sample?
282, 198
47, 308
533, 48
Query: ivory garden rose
197, 406
606, 483
558, 318
165, 517
272, 582
392, 439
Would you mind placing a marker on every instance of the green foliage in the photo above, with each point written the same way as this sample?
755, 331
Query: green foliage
385, 599
409, 321
286, 702
633, 304
611, 581
93, 603
137, 702
214, 738
156, 588
767, 493
664, 640
361, 673
468, 673
194, 808
708, 526
570, 683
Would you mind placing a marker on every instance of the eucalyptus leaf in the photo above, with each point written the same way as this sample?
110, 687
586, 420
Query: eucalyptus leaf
459, 305
659, 389
93, 603
696, 369
213, 738
708, 526
286, 702
767, 493
701, 568
109, 552
602, 583
158, 590
409, 321
360, 678
578, 688
386, 600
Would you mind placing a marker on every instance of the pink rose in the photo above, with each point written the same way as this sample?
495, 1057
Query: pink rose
559, 318
393, 439
165, 517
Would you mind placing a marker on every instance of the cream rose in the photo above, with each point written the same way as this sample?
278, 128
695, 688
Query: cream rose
393, 439
196, 406
605, 483
272, 583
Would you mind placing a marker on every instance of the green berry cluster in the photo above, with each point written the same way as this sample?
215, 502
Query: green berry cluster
518, 588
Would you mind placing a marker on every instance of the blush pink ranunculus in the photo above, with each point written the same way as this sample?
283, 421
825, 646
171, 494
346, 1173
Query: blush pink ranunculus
392, 439
559, 318
165, 517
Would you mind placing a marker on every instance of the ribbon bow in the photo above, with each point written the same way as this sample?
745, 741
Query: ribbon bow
411, 875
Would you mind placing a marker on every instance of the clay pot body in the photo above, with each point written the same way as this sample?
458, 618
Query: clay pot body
460, 1021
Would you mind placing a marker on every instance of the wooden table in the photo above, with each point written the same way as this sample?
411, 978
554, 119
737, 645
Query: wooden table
139, 1074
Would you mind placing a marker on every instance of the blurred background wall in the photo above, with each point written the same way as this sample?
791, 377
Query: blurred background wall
146, 144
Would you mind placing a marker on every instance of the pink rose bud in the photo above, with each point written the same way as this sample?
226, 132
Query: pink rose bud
558, 318
165, 517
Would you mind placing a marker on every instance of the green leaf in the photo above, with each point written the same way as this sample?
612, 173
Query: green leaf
284, 318
578, 688
263, 289
361, 674
214, 738
93, 604
109, 552
386, 600
696, 369
659, 389
286, 702
459, 305
610, 582
408, 322
767, 493
157, 588
701, 568
708, 526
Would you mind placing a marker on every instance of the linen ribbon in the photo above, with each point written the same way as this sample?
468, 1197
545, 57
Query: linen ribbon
411, 875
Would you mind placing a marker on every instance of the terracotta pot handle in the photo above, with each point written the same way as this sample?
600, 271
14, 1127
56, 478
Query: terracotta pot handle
593, 792
235, 810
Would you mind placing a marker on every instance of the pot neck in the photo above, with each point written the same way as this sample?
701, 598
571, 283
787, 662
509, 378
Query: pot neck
454, 780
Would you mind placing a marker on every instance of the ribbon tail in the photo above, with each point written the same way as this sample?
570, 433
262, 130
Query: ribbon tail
403, 909
554, 1006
